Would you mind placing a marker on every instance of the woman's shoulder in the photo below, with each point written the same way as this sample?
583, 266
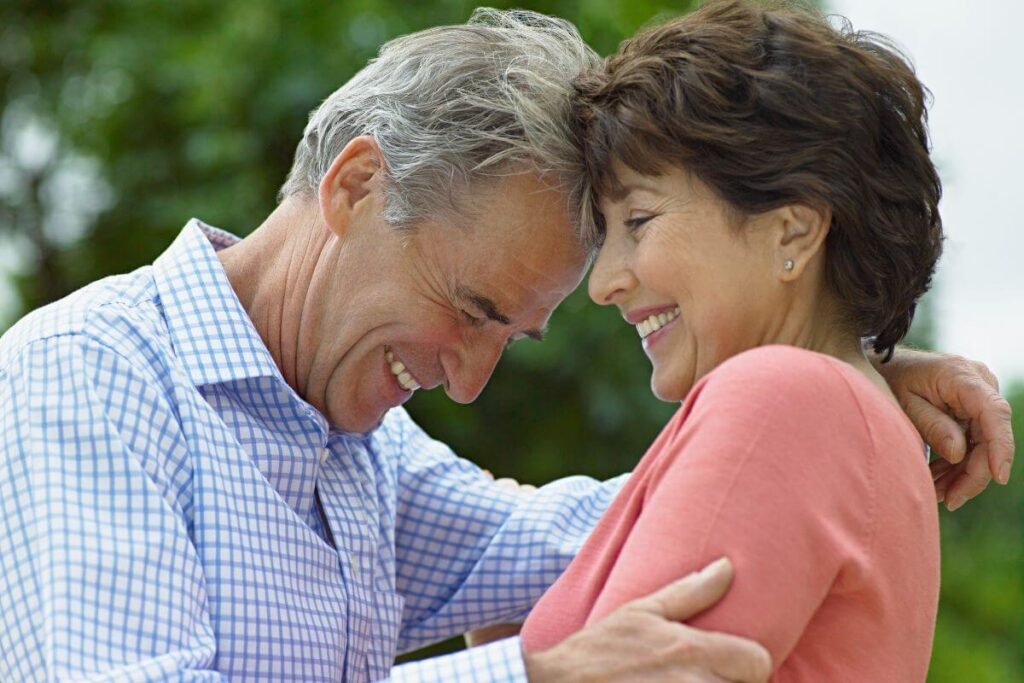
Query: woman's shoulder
786, 393
768, 373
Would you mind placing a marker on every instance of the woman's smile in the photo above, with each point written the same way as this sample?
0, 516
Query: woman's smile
654, 324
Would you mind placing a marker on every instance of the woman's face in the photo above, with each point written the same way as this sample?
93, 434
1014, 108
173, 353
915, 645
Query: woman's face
700, 283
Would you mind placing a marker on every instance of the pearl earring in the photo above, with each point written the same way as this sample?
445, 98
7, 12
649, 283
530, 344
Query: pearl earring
788, 264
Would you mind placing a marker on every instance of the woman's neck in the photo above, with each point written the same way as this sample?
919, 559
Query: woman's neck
827, 331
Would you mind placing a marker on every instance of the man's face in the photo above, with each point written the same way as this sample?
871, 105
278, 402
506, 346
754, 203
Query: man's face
437, 305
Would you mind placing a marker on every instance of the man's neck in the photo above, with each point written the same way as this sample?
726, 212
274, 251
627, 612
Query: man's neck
270, 272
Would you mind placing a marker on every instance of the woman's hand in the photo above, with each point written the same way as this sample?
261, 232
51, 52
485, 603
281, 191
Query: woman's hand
956, 406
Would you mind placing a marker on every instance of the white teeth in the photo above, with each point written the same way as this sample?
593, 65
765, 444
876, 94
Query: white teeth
655, 322
397, 367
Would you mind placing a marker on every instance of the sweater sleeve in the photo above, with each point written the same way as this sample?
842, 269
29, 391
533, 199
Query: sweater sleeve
769, 462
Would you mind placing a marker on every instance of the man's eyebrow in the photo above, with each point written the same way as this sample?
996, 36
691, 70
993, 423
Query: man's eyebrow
490, 309
485, 304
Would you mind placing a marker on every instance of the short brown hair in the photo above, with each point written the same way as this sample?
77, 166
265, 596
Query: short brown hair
772, 106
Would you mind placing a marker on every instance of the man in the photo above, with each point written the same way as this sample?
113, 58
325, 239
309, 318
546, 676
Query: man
206, 473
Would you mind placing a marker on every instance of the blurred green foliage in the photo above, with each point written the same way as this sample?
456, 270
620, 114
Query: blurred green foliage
123, 118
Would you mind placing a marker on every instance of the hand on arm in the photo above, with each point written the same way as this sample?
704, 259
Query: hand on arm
644, 641
956, 406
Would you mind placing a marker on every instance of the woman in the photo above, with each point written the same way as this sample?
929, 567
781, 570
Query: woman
767, 201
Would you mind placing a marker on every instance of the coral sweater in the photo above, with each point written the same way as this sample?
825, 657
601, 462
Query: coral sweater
814, 484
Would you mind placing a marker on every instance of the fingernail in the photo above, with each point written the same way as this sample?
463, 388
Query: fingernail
953, 502
1004, 473
951, 451
714, 566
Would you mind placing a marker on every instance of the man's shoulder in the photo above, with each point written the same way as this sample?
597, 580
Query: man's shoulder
119, 313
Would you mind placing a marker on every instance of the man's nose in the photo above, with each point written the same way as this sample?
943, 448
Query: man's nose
469, 368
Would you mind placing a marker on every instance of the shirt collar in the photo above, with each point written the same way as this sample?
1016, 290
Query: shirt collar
210, 330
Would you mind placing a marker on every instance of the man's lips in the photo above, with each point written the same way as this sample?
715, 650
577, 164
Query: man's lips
402, 376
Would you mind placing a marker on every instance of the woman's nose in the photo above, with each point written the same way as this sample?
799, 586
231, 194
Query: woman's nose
610, 278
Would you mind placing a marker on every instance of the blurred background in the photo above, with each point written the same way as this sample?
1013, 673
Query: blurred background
119, 120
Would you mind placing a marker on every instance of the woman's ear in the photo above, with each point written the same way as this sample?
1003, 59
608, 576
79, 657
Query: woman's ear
801, 233
353, 179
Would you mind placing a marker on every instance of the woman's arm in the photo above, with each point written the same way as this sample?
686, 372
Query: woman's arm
769, 463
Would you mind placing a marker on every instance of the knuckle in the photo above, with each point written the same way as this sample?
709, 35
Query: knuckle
982, 477
980, 368
686, 648
1002, 408
935, 424
960, 363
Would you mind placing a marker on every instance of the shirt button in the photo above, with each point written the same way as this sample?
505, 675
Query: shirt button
324, 454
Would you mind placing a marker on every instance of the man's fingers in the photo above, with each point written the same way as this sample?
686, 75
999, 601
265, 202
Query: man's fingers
947, 477
691, 594
972, 480
990, 415
941, 432
939, 467
734, 658
507, 483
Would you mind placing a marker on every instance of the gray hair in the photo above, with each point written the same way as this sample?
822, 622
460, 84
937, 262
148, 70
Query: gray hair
455, 104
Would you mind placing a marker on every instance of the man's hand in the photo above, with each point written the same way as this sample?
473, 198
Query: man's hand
956, 406
645, 641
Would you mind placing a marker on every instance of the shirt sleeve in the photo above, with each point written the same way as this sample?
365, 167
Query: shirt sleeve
499, 662
469, 552
98, 576
768, 464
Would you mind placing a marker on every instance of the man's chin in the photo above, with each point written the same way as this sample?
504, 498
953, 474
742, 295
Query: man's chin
355, 424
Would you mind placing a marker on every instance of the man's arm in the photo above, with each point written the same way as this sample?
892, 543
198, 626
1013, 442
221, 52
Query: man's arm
956, 406
643, 640
470, 551
98, 577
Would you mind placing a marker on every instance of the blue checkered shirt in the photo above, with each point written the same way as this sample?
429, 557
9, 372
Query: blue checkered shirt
170, 509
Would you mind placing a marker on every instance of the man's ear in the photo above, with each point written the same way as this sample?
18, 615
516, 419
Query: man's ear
350, 183
801, 232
